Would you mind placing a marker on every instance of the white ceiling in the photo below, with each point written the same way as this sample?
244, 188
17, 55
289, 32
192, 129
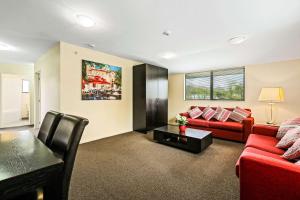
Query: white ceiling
133, 29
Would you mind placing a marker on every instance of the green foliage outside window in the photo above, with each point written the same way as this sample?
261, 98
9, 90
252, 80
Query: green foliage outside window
225, 84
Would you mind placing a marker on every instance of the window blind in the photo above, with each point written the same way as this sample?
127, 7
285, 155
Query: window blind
197, 85
228, 84
225, 84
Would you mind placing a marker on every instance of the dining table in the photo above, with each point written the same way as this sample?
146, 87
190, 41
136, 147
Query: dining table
26, 164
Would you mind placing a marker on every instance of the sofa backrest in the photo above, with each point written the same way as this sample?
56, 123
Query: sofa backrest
230, 109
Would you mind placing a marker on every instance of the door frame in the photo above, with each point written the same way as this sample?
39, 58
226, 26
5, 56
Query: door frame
37, 81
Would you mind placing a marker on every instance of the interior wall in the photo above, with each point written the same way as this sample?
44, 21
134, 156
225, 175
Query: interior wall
11, 86
279, 74
24, 71
48, 66
107, 117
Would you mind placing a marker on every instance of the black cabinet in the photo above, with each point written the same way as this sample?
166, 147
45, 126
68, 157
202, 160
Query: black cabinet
150, 97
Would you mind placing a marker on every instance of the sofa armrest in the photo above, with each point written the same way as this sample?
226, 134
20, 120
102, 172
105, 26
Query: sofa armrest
248, 123
265, 130
266, 178
186, 114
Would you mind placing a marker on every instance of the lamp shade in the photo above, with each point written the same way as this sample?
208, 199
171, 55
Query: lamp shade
274, 94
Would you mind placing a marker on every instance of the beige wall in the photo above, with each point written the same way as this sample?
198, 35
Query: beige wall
25, 71
48, 66
284, 74
107, 117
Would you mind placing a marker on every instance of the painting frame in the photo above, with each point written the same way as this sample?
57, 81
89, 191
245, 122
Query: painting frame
100, 81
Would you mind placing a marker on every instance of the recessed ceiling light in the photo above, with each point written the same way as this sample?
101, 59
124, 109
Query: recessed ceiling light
168, 55
238, 39
5, 47
167, 33
85, 21
91, 45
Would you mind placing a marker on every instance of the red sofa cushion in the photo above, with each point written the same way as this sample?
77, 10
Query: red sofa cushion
265, 130
265, 143
198, 122
234, 126
257, 151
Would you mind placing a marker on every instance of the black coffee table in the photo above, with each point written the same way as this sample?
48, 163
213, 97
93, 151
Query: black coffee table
193, 140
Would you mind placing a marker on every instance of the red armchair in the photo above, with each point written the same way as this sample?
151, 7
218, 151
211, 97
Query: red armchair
229, 130
263, 174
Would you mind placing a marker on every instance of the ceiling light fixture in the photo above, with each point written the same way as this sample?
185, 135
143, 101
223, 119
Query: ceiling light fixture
238, 39
168, 55
5, 47
85, 21
91, 45
167, 33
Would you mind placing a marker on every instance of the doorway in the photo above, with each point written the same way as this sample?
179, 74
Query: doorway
15, 100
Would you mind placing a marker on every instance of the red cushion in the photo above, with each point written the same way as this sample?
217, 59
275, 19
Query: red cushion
198, 122
260, 152
234, 126
265, 143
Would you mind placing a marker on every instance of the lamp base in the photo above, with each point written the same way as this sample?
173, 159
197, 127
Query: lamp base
270, 123
271, 114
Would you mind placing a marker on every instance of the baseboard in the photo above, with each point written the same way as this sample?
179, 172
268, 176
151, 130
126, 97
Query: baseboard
22, 126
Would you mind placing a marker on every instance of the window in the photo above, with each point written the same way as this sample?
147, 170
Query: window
25, 86
197, 85
226, 84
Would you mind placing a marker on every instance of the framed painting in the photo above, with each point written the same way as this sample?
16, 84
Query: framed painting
100, 81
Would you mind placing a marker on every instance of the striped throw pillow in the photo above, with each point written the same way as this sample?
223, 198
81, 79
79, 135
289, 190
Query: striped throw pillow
238, 114
292, 121
195, 112
289, 138
222, 114
286, 126
293, 152
208, 113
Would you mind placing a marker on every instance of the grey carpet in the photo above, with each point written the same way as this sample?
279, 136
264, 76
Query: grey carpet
132, 166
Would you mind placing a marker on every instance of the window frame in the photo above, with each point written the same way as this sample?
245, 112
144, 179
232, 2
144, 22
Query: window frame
212, 85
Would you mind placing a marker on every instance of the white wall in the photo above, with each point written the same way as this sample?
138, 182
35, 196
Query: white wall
11, 86
284, 74
48, 67
60, 69
107, 117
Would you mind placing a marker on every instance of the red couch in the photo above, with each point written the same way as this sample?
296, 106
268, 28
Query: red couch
229, 130
263, 174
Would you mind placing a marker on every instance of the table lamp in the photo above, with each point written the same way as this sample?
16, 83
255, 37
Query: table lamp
271, 95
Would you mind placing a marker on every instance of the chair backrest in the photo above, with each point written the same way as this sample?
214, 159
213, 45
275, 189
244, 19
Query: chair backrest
64, 144
48, 126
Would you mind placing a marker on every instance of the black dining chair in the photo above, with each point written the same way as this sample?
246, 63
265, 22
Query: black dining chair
64, 145
49, 126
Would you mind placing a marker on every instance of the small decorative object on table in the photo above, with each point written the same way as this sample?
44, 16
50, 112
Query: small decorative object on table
182, 121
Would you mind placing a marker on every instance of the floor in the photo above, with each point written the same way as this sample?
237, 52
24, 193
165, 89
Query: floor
132, 166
